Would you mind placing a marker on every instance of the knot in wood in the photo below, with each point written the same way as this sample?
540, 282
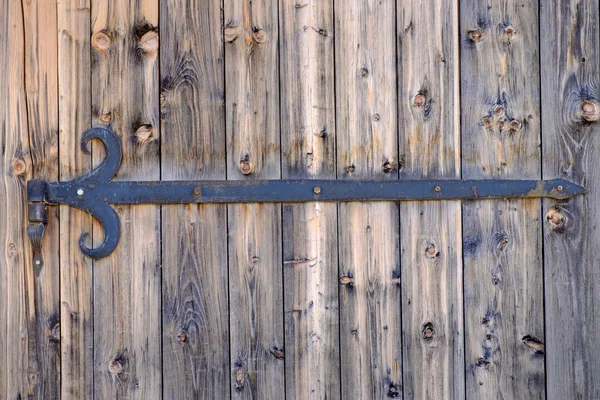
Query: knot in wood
509, 32
246, 167
230, 33
556, 218
501, 124
419, 100
183, 337
590, 110
431, 251
106, 118
19, 167
115, 367
101, 41
278, 353
144, 133
388, 167
499, 110
534, 344
515, 125
486, 122
475, 35
346, 280
149, 42
259, 36
393, 391
428, 332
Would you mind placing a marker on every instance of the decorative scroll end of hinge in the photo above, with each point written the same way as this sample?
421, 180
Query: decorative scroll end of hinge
37, 225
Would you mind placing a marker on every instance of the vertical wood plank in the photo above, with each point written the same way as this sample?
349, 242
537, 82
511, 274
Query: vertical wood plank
366, 114
253, 151
42, 282
15, 169
127, 285
504, 309
195, 289
570, 63
76, 318
432, 315
310, 266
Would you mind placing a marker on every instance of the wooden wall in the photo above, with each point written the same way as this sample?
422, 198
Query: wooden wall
419, 300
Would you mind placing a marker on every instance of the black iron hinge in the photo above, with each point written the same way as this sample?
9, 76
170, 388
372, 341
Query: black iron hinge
94, 192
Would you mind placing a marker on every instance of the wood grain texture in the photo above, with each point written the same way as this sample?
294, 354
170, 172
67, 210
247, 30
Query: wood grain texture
253, 151
310, 266
42, 282
195, 289
127, 285
15, 169
76, 301
428, 95
502, 239
570, 67
367, 145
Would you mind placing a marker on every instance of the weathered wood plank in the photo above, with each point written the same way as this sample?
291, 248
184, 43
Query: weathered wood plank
15, 169
502, 239
310, 266
367, 145
42, 282
195, 289
253, 151
432, 315
76, 302
570, 67
127, 285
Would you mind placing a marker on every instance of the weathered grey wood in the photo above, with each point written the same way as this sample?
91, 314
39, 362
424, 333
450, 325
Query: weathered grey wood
42, 283
502, 239
366, 114
428, 95
570, 67
15, 169
76, 302
310, 266
253, 151
195, 290
127, 285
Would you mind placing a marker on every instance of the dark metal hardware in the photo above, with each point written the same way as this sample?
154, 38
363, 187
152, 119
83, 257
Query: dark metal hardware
94, 192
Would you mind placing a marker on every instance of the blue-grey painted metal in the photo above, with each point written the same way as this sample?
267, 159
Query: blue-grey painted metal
94, 192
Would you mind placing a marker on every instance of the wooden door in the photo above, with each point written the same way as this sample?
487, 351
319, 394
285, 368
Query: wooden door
415, 300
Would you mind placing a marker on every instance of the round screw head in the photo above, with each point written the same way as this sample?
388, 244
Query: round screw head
438, 189
197, 191
559, 188
317, 190
80, 192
